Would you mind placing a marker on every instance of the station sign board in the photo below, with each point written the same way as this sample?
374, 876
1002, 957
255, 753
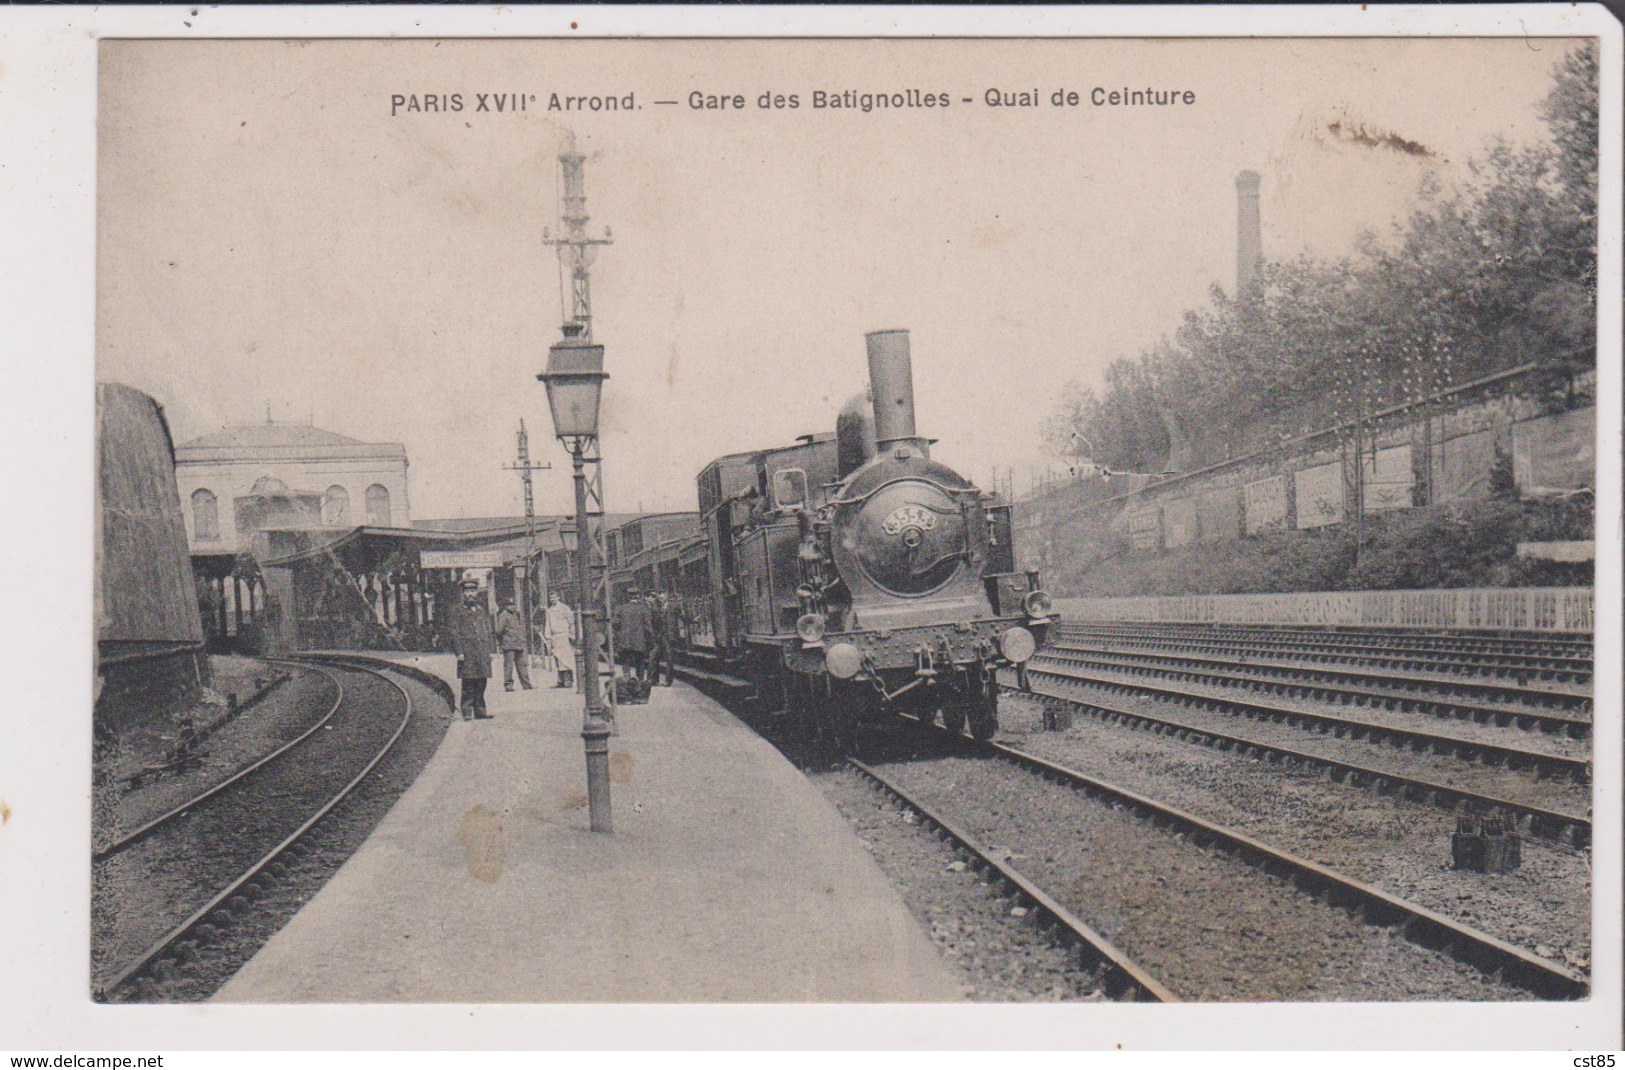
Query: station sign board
460, 559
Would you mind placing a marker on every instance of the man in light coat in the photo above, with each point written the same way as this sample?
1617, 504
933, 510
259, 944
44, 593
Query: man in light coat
558, 629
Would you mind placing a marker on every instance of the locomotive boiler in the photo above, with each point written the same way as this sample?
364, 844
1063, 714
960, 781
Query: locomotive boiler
853, 576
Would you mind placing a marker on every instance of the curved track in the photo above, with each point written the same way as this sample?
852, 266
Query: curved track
299, 784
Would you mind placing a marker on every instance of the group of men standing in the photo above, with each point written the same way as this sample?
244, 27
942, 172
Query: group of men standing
645, 628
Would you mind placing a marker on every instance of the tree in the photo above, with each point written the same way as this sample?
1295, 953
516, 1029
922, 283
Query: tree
1496, 270
1570, 112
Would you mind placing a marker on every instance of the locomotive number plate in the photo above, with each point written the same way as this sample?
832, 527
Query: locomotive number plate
909, 516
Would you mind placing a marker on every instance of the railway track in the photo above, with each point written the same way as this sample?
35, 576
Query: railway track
174, 813
1120, 977
1531, 644
1543, 764
216, 854
1521, 668
1555, 826
1371, 906
1335, 685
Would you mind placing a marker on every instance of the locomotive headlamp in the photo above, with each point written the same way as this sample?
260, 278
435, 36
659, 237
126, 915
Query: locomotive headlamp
843, 661
810, 626
1017, 645
1039, 606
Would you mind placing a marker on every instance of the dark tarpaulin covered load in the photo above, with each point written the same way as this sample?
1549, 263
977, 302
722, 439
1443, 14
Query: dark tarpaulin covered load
145, 591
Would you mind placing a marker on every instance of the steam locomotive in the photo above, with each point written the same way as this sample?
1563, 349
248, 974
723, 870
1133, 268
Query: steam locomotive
850, 576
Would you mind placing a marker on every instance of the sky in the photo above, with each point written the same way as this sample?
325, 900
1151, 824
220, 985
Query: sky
270, 235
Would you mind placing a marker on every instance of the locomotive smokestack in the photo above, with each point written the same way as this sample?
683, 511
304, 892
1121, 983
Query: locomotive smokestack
891, 379
1249, 241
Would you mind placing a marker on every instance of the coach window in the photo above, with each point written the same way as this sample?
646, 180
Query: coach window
378, 505
336, 506
205, 516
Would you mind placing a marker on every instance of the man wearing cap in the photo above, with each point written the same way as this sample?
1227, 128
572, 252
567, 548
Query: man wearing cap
632, 634
474, 642
511, 638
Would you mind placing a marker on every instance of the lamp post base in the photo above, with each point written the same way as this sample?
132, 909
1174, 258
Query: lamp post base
595, 736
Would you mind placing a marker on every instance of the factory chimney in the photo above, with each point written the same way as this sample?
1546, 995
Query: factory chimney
1249, 242
891, 380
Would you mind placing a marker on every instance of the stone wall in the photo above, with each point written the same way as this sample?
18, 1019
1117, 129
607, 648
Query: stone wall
1536, 430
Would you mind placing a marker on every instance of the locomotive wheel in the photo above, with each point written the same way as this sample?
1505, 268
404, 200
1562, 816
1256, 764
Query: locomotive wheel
953, 717
984, 708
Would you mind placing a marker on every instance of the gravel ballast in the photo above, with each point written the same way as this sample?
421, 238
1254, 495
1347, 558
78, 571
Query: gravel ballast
140, 895
1516, 787
1376, 713
1401, 847
998, 949
1207, 925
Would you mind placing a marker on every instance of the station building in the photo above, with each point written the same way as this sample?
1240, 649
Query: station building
239, 480
301, 538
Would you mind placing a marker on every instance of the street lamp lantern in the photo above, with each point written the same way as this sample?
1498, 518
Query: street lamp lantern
575, 385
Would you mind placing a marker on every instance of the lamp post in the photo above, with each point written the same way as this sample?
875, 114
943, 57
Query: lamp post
575, 382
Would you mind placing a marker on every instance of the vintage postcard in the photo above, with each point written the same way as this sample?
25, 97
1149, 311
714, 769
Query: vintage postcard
1027, 511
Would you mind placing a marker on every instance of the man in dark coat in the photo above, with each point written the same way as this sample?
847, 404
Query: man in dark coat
662, 633
511, 638
474, 642
632, 633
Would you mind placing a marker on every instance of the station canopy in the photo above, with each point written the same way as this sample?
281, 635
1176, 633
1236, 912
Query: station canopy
373, 549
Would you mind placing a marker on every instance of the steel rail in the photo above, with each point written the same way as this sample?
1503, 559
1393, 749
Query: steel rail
1544, 764
1525, 646
1457, 680
162, 819
1421, 926
1575, 646
1121, 977
1573, 671
1290, 679
179, 932
1548, 825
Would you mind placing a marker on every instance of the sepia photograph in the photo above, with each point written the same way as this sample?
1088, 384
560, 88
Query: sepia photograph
917, 518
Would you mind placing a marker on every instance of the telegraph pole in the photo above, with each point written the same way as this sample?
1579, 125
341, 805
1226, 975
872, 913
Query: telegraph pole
525, 468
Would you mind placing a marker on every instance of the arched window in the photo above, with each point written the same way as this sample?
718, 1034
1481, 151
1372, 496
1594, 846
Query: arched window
378, 505
205, 516
336, 506
268, 487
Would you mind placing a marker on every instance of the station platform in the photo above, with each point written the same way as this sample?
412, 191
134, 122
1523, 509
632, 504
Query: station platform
729, 877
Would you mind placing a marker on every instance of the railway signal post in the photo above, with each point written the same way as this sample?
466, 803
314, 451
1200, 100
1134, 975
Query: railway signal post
575, 381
